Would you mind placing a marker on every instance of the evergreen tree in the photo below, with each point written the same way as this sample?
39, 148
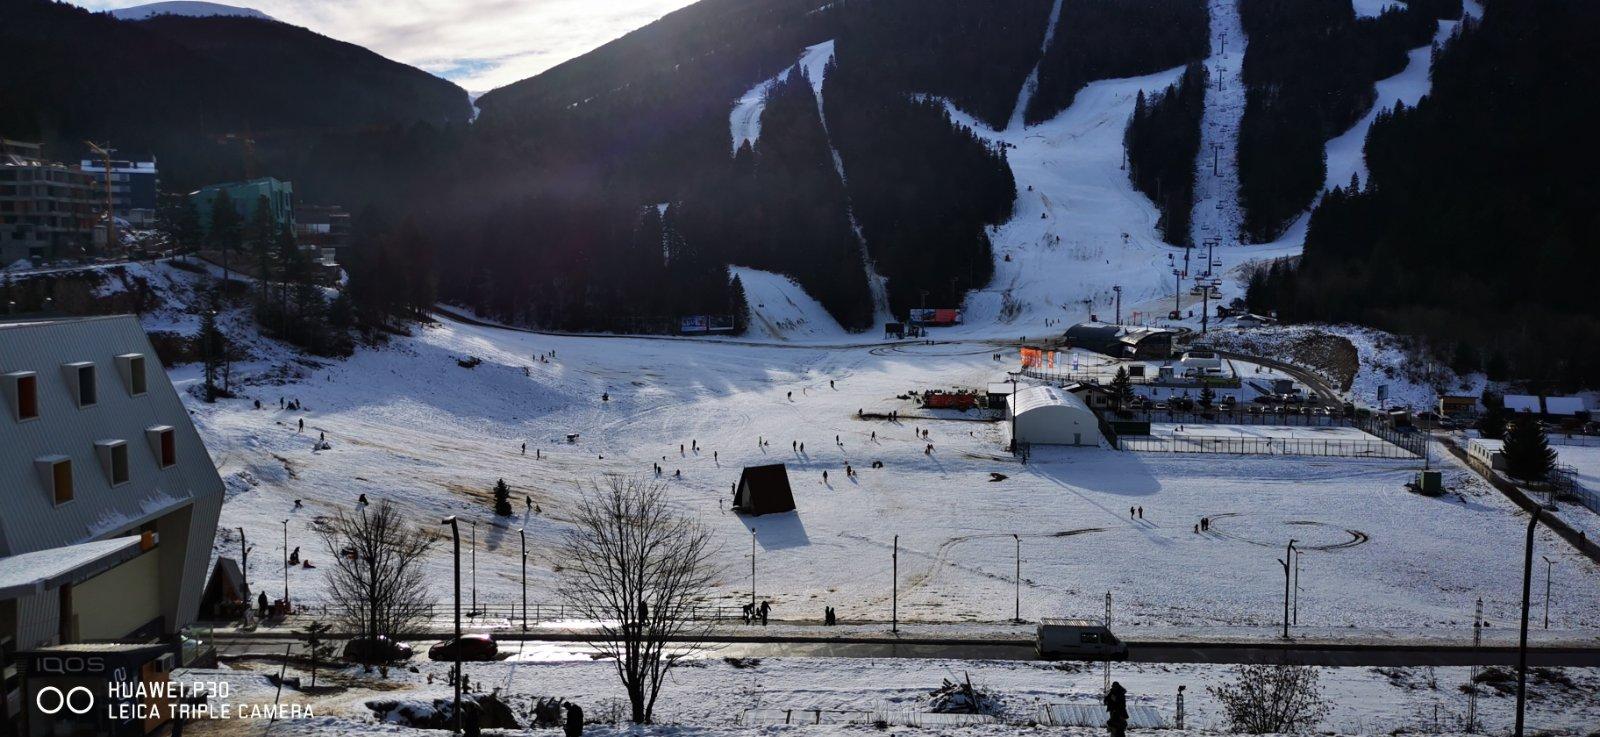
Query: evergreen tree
225, 228
1207, 396
738, 305
211, 347
1121, 387
1465, 359
1529, 457
502, 498
259, 235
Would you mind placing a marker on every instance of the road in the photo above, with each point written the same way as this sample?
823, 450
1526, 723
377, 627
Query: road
1317, 384
1013, 648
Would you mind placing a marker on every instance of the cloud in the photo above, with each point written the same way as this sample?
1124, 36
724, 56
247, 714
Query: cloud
478, 44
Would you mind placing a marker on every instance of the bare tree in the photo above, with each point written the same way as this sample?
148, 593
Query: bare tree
376, 583
638, 569
1270, 699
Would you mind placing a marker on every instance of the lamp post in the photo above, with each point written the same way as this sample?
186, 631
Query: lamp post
1016, 615
1298, 554
1177, 292
455, 534
1548, 564
894, 594
752, 569
1522, 642
1288, 554
286, 566
244, 562
522, 533
474, 611
1013, 408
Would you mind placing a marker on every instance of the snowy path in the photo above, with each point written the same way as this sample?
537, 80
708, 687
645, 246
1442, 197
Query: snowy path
1217, 213
1031, 85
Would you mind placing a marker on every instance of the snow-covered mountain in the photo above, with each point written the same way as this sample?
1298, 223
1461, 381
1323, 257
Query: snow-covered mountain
188, 8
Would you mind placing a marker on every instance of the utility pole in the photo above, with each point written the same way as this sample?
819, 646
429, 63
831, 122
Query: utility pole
105, 150
1522, 642
1178, 719
1548, 564
1177, 290
1205, 307
1216, 159
1298, 554
1472, 677
474, 611
244, 562
1117, 290
1014, 447
1289, 553
894, 594
522, 533
1224, 53
286, 565
455, 534
1016, 615
752, 569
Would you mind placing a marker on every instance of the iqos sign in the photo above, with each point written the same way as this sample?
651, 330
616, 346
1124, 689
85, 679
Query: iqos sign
51, 700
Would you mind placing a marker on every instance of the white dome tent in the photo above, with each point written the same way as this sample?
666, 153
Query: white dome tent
1045, 415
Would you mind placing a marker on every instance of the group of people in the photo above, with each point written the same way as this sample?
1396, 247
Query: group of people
1204, 525
754, 612
1135, 512
829, 618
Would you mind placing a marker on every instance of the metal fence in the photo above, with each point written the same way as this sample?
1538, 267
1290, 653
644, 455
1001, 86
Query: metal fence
1238, 416
1140, 716
1190, 443
892, 717
535, 612
1068, 377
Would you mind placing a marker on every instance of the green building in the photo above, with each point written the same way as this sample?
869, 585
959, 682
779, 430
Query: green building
246, 196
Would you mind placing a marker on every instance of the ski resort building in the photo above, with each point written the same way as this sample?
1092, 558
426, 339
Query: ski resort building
1122, 341
108, 499
1046, 415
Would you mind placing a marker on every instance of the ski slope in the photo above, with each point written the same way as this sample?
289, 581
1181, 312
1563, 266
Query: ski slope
781, 310
1217, 213
1030, 86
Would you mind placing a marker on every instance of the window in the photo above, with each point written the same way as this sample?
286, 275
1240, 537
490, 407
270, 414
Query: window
1089, 638
23, 391
164, 444
56, 474
114, 460
131, 366
81, 380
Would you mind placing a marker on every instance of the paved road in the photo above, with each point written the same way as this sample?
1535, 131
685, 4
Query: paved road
1317, 384
1300, 653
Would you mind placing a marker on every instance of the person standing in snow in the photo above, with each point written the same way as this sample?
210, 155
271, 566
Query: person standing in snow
261, 605
1116, 702
574, 724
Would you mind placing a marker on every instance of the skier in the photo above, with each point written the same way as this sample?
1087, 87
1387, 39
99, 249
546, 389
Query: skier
302, 425
524, 448
362, 500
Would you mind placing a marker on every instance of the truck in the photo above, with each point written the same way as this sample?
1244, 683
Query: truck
1077, 639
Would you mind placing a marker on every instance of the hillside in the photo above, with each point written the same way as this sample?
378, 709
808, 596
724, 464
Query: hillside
188, 89
191, 8
1475, 226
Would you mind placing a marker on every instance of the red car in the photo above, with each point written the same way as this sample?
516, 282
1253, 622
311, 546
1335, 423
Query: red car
469, 647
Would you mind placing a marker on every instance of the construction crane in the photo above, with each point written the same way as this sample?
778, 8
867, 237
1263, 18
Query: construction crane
105, 151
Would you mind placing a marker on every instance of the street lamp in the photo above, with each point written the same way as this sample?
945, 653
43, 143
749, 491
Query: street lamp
1017, 613
894, 606
1548, 564
455, 534
522, 533
474, 611
286, 566
752, 569
1522, 640
1288, 554
1013, 413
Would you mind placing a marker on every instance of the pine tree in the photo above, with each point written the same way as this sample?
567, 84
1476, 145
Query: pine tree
738, 305
210, 348
1207, 396
1465, 360
1492, 424
259, 238
1121, 387
1529, 457
502, 498
225, 228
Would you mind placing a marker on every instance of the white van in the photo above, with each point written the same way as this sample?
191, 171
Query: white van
1078, 639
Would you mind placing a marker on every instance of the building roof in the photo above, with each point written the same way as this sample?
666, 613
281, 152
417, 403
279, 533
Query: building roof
1565, 406
764, 489
32, 573
1522, 403
1040, 397
30, 520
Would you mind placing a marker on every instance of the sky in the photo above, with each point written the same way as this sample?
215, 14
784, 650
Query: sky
478, 44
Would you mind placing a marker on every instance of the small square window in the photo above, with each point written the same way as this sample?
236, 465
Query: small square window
114, 458
56, 474
23, 391
81, 381
131, 366
164, 443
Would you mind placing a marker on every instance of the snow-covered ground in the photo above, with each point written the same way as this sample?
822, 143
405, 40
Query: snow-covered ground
1030, 86
780, 309
1217, 213
407, 423
713, 697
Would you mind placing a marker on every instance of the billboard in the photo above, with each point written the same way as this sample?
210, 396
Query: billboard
928, 316
694, 324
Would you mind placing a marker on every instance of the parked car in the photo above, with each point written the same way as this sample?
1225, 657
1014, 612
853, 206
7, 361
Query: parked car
1078, 639
469, 647
381, 650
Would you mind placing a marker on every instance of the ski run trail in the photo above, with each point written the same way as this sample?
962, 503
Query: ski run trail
1031, 85
745, 125
1079, 227
1217, 213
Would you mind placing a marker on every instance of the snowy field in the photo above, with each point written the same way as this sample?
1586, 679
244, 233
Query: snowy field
712, 697
406, 423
